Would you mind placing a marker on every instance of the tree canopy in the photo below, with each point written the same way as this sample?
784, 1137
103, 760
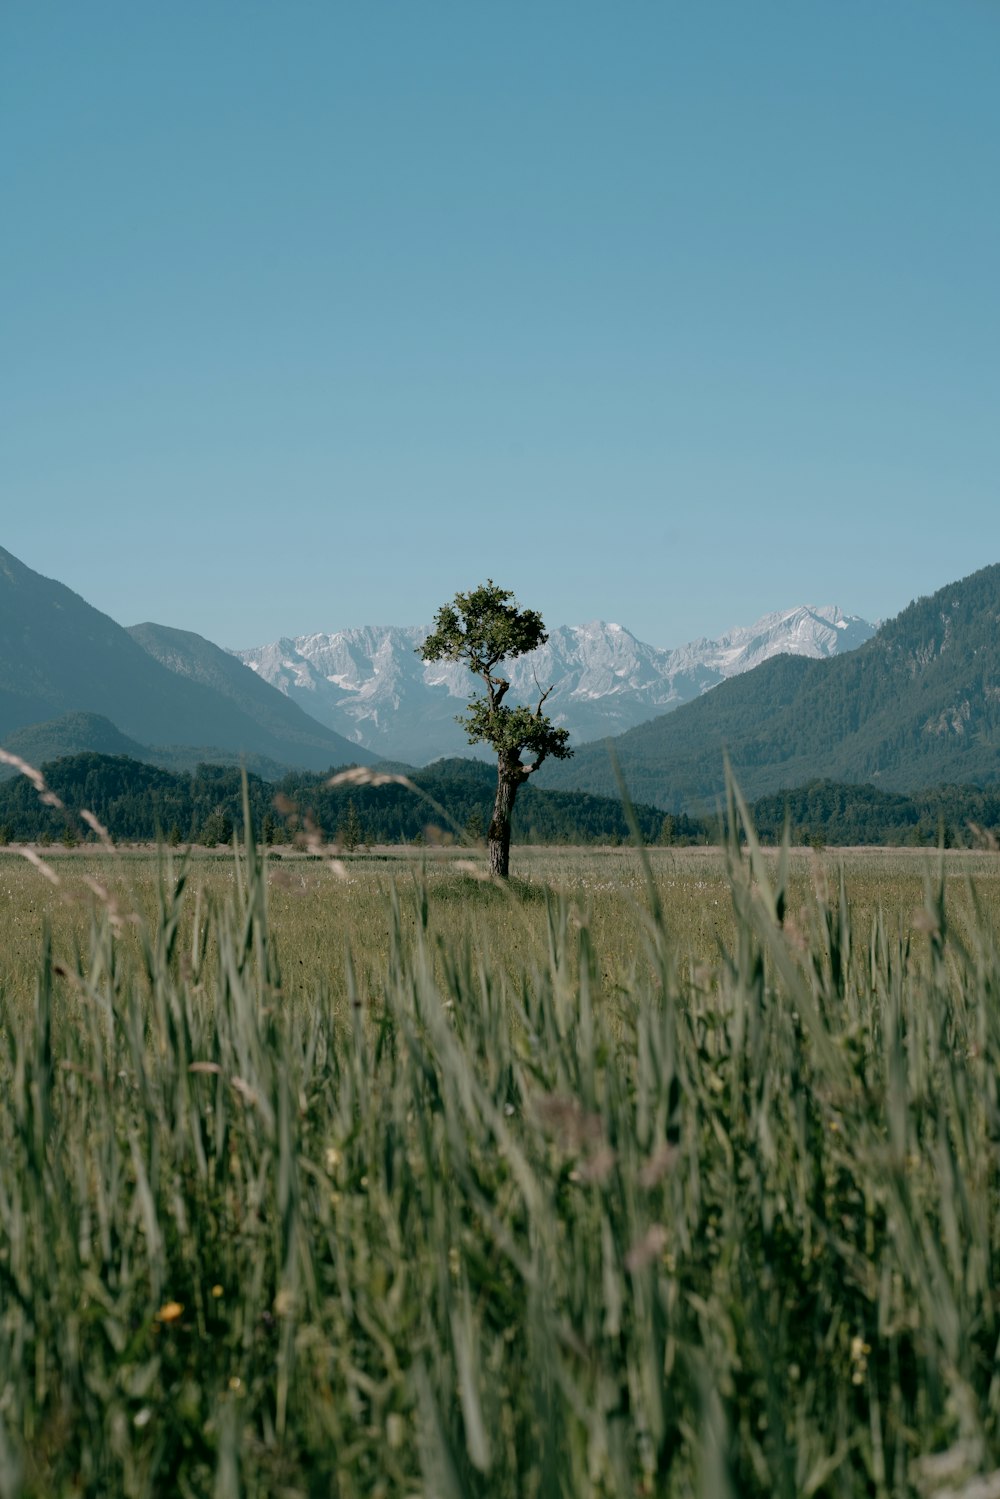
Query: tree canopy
483, 628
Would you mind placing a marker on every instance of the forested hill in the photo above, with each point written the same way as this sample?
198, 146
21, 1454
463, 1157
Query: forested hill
139, 801
917, 705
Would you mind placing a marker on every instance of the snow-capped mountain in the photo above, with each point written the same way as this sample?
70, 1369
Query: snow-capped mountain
370, 684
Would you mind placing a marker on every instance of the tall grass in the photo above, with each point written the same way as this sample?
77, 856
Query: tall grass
505, 1228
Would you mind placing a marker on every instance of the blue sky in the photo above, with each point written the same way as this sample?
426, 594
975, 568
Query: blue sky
313, 314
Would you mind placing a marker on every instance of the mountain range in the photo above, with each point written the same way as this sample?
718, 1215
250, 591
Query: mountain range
371, 686
914, 705
917, 705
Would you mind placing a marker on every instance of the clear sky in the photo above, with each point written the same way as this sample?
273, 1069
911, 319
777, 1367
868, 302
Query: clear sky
312, 314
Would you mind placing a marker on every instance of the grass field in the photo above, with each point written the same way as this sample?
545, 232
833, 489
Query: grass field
668, 1179
316, 918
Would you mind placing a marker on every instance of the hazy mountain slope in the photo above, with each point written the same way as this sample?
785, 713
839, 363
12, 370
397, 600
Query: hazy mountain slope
59, 655
918, 704
197, 659
371, 685
89, 733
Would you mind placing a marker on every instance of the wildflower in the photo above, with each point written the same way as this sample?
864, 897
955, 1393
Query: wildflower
859, 1358
170, 1311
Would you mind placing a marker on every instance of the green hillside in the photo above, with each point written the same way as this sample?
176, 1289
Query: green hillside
71, 734
917, 705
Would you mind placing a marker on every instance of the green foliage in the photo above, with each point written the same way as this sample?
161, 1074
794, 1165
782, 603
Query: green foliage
512, 730
482, 628
217, 828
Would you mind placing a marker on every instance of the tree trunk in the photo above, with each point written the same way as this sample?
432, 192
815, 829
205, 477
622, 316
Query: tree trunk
509, 777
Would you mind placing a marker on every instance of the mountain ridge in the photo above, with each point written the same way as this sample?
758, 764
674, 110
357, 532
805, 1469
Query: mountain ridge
370, 684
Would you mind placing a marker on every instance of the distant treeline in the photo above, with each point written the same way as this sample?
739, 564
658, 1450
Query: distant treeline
135, 802
830, 812
452, 801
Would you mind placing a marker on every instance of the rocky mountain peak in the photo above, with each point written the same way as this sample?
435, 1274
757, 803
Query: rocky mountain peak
370, 684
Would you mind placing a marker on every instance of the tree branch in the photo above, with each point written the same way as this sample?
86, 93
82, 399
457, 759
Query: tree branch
496, 687
541, 700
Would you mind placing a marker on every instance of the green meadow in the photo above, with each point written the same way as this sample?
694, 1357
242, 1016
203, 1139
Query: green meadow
675, 1173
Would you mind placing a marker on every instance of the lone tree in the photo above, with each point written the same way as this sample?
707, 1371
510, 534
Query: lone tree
484, 628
